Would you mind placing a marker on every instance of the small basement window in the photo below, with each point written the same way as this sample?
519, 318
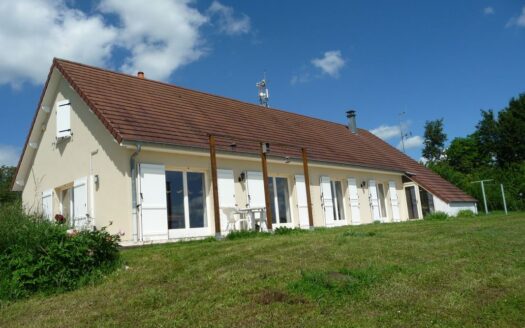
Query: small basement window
63, 119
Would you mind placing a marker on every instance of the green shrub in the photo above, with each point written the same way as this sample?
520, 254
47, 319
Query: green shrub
242, 234
37, 255
466, 214
436, 216
288, 231
353, 233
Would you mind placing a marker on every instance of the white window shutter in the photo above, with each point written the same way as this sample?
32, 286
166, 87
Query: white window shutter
255, 188
47, 204
302, 203
226, 186
63, 121
80, 204
374, 202
354, 201
154, 214
327, 200
393, 200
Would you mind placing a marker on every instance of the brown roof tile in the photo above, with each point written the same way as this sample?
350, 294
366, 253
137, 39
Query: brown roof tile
135, 109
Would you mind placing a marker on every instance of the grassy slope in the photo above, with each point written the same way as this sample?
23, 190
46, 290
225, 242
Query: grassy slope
461, 272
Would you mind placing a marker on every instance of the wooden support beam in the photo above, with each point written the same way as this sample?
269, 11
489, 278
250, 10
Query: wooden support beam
266, 189
307, 183
215, 187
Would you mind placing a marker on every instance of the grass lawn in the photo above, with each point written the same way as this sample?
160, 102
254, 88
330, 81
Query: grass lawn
453, 273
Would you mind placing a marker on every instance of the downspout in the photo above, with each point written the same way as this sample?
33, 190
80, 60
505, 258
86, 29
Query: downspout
134, 203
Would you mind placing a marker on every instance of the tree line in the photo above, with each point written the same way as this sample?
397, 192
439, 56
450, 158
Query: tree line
494, 151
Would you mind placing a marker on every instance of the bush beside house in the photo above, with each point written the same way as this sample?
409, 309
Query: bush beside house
37, 255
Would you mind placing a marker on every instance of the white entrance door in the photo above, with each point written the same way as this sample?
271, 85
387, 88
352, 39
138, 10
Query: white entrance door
302, 203
327, 200
227, 204
374, 202
394, 200
80, 204
154, 221
354, 201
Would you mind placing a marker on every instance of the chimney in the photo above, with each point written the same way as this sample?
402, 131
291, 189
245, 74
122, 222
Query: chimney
351, 121
140, 75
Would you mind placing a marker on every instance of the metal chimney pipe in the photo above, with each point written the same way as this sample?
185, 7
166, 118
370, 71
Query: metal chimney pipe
352, 126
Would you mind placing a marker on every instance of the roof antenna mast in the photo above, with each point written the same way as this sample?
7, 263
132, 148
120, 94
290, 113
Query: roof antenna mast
264, 94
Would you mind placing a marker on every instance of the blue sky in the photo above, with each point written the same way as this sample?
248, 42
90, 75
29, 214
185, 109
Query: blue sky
429, 59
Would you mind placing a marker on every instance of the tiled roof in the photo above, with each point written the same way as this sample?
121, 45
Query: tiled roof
135, 109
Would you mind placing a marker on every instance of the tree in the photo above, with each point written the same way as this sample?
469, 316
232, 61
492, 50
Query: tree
487, 137
511, 128
463, 154
6, 177
434, 140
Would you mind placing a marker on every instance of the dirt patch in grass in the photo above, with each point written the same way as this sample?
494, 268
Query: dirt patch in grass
269, 296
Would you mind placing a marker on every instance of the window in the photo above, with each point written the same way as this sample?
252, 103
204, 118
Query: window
175, 200
279, 200
337, 200
381, 196
427, 201
185, 200
47, 204
63, 122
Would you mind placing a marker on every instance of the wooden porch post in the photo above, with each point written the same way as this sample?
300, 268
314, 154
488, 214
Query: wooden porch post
215, 188
307, 182
266, 189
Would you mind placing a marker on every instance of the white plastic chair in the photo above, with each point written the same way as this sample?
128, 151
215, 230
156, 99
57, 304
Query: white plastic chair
232, 217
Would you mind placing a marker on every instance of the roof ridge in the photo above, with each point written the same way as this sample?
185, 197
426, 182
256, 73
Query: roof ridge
197, 91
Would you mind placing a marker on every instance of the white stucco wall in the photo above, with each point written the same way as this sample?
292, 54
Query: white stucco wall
453, 208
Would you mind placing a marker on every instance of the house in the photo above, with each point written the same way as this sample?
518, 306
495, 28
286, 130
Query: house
163, 162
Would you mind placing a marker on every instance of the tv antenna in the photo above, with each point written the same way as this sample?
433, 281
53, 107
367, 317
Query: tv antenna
404, 135
264, 93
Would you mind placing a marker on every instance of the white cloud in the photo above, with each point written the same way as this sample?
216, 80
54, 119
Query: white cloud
413, 142
226, 20
331, 63
518, 21
160, 36
488, 11
300, 78
32, 32
387, 132
9, 155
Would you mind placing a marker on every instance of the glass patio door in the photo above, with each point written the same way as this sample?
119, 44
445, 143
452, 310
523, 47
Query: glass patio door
280, 201
186, 205
411, 202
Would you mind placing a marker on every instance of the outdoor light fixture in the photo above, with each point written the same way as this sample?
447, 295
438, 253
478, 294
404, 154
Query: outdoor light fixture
242, 177
33, 144
363, 184
287, 159
96, 180
265, 148
45, 108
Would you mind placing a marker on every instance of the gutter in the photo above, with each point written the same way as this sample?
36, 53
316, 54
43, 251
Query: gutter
134, 203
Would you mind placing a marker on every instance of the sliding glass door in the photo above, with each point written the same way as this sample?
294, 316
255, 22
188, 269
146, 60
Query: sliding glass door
186, 205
